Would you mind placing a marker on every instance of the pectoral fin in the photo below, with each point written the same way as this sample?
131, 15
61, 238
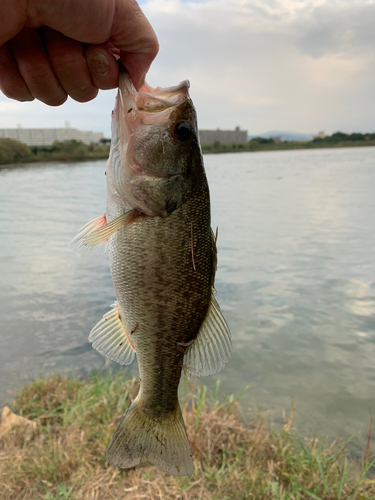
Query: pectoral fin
110, 338
211, 349
93, 237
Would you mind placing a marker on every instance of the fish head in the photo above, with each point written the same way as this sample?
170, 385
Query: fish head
155, 159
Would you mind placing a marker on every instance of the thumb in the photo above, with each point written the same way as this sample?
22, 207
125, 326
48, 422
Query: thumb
133, 35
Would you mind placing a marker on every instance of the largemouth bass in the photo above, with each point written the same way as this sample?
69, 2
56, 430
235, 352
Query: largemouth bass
162, 255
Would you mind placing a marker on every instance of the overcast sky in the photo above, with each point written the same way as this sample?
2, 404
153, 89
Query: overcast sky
290, 65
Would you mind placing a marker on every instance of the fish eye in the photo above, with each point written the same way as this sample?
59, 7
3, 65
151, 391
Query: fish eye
182, 131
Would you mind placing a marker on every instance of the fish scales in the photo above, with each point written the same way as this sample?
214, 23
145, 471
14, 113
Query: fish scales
163, 261
161, 291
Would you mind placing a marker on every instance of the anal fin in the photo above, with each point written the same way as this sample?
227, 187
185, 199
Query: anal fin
110, 338
211, 349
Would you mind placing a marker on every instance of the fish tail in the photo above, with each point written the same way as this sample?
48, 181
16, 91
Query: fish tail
162, 441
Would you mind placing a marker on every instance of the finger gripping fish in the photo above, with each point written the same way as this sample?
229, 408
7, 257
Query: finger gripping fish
163, 261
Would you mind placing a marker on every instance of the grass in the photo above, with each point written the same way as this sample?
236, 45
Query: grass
66, 458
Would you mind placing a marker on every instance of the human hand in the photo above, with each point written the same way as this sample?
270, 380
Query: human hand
50, 49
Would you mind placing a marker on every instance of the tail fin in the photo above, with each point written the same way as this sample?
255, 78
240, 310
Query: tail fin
161, 441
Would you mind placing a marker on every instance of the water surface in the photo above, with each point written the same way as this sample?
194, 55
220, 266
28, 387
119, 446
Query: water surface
296, 279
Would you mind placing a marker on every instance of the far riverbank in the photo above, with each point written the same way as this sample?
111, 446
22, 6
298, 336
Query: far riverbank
280, 146
14, 152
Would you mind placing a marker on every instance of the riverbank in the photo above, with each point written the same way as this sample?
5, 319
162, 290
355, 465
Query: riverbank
253, 146
14, 153
63, 455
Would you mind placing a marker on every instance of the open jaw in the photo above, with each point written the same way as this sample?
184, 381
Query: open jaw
149, 99
154, 100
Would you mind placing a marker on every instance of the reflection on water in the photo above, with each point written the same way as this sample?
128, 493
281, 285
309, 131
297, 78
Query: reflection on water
296, 279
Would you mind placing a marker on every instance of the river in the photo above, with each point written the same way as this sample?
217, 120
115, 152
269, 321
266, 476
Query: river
296, 280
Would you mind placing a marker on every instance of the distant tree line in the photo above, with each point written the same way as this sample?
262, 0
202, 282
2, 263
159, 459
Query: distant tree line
262, 140
13, 152
266, 144
338, 137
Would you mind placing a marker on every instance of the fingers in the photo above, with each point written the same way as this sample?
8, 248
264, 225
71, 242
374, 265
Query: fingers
96, 22
35, 69
11, 82
68, 62
53, 66
51, 63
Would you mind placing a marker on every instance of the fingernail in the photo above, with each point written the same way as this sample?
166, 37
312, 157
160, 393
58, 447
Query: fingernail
98, 63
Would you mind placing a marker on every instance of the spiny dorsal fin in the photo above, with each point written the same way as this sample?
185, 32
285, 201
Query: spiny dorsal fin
211, 349
93, 237
110, 338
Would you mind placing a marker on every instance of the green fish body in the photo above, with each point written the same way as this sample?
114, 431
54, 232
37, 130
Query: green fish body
163, 262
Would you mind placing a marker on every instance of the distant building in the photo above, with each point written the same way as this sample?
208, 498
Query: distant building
47, 136
209, 136
321, 135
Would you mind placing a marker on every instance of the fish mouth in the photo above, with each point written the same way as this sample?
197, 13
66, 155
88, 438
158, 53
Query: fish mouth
152, 100
149, 99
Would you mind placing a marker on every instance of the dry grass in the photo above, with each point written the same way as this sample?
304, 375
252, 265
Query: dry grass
65, 458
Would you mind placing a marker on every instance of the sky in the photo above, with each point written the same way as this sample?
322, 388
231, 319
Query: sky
289, 65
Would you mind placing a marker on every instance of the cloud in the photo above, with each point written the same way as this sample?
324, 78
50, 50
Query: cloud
343, 28
298, 65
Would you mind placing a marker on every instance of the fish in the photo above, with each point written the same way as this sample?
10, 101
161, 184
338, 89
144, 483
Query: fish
163, 260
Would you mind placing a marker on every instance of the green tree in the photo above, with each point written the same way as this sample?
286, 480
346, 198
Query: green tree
12, 151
